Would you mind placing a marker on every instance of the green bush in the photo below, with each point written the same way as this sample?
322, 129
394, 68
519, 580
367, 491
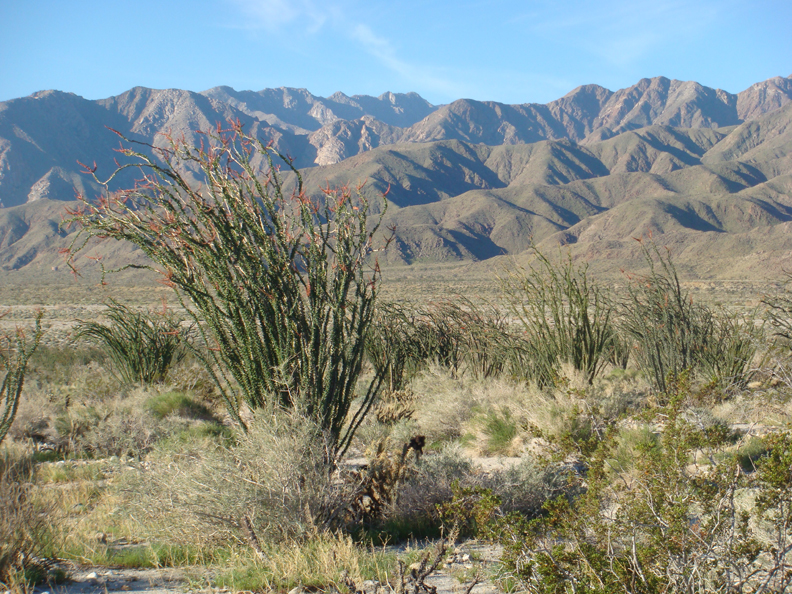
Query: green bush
280, 285
142, 346
500, 429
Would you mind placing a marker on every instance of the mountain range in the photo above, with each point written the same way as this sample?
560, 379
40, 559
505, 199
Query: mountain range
705, 171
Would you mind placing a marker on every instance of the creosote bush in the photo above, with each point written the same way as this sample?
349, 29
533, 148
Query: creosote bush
662, 524
279, 285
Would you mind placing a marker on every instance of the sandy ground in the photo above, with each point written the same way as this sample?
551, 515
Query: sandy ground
99, 580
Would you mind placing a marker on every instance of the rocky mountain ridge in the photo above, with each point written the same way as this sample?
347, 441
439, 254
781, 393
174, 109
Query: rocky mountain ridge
705, 170
44, 135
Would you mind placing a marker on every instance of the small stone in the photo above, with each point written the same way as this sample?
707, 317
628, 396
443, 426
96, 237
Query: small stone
297, 590
92, 576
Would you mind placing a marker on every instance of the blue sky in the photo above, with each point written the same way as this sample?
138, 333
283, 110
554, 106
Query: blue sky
502, 50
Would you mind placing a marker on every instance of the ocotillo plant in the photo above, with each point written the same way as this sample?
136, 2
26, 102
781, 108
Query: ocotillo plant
673, 334
141, 345
280, 284
15, 352
566, 316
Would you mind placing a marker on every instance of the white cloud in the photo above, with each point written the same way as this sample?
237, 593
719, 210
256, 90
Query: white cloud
623, 32
381, 48
277, 15
274, 14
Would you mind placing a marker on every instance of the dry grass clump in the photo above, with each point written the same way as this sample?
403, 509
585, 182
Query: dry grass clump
327, 562
128, 424
27, 534
270, 485
450, 406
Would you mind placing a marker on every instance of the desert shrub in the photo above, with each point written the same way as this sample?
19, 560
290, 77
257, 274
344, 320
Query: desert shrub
497, 503
566, 316
110, 428
448, 407
414, 511
141, 345
279, 284
526, 486
629, 441
281, 487
750, 452
663, 527
55, 365
320, 565
27, 537
15, 352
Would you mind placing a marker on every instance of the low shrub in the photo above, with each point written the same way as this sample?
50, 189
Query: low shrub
664, 527
413, 513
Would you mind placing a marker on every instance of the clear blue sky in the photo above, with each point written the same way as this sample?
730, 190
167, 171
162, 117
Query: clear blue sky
504, 50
